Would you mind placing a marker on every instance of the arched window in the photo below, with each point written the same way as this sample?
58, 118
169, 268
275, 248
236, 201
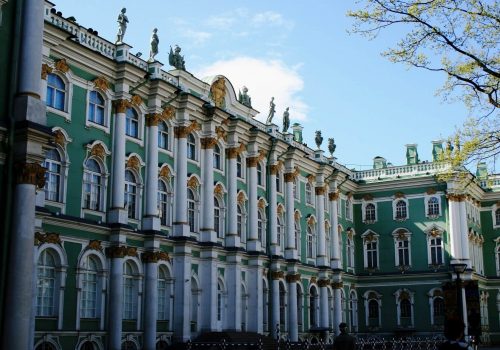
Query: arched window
350, 252
191, 210
89, 298
46, 346
130, 291
373, 313
405, 308
404, 300
310, 242
297, 236
162, 345
128, 345
217, 219
163, 295
131, 194
239, 223
296, 188
220, 304
95, 113
281, 233
401, 210
56, 92
132, 123
438, 310
300, 308
163, 203
278, 182
433, 207
46, 284
353, 311
370, 244
88, 345
163, 139
191, 147
309, 197
93, 186
53, 176
313, 307
259, 226
260, 180
370, 212
244, 298
239, 167
348, 209
282, 307
217, 158
435, 248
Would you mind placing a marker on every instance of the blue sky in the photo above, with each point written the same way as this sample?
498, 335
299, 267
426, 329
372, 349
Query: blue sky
301, 53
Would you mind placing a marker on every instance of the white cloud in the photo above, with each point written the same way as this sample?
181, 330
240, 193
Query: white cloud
264, 79
271, 18
197, 37
221, 21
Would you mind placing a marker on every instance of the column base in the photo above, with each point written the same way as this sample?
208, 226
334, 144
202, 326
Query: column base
181, 230
335, 264
118, 216
151, 223
208, 236
322, 261
233, 241
254, 246
291, 254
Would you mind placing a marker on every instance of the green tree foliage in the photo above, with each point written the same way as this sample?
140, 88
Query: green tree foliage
460, 38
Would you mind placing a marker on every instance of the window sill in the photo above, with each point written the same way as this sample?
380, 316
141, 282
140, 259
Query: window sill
59, 112
103, 127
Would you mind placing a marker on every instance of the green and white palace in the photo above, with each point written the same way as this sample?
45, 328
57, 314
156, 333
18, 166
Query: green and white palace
143, 206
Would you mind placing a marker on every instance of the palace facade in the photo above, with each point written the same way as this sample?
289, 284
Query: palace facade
145, 206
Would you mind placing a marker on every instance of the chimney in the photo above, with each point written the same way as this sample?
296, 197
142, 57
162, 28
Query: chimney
437, 150
411, 154
297, 132
379, 163
482, 171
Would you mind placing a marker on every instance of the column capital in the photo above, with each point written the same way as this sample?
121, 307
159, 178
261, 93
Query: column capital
323, 283
333, 196
30, 173
46, 70
154, 256
252, 162
290, 177
208, 142
234, 152
114, 252
121, 105
291, 278
182, 131
276, 275
320, 191
456, 197
152, 119
337, 285
274, 169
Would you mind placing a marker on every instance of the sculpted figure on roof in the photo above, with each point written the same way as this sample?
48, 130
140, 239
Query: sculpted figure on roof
122, 26
175, 59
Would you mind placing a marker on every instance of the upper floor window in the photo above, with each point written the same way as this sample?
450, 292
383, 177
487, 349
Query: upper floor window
56, 92
131, 194
53, 176
278, 182
260, 180
217, 218
130, 291
164, 203
350, 252
260, 226
191, 147
310, 242
296, 189
191, 210
281, 233
90, 279
297, 236
93, 186
309, 196
95, 113
46, 284
401, 210
163, 139
497, 217
348, 209
239, 221
217, 158
239, 167
370, 240
434, 248
370, 213
163, 294
433, 207
132, 123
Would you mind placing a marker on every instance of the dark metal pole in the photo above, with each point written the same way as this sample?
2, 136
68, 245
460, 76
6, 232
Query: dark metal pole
459, 298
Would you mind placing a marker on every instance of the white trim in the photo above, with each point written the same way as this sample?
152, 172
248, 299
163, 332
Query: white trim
107, 109
364, 204
427, 197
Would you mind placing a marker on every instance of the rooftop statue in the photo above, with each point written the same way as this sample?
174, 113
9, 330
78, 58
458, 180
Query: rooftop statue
272, 110
318, 139
243, 98
122, 26
286, 119
154, 45
331, 146
218, 92
175, 59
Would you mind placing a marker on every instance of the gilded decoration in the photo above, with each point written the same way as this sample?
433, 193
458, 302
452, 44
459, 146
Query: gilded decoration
262, 155
293, 278
193, 182
333, 196
152, 119
219, 190
404, 295
311, 220
98, 151
370, 237
320, 191
221, 133
218, 92
280, 209
154, 257
208, 142
136, 100
41, 238
313, 279
134, 163
30, 173
234, 152
165, 172
101, 83
401, 234
368, 197
337, 285
289, 177
46, 70
59, 138
241, 198
296, 216
275, 168
431, 190
453, 197
261, 204
121, 105
399, 195
252, 162
350, 233
310, 178
116, 252
168, 113
276, 275
62, 65
323, 283
435, 232
94, 245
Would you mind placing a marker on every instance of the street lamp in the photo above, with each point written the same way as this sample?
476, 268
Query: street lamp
459, 268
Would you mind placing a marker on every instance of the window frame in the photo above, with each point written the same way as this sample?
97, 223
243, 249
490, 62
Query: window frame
364, 209
398, 211
436, 210
92, 105
370, 238
68, 89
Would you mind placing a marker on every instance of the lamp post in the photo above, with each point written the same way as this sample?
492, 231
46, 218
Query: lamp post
459, 268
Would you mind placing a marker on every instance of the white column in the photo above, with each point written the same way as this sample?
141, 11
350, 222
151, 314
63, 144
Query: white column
335, 262
293, 326
253, 243
458, 228
275, 300
232, 238
181, 227
208, 276
255, 300
464, 233
233, 292
118, 214
18, 305
150, 299
337, 309
290, 248
323, 295
321, 259
273, 212
115, 303
182, 293
207, 229
151, 220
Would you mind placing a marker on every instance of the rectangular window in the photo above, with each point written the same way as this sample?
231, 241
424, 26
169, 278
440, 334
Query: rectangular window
371, 255
89, 295
436, 251
403, 253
